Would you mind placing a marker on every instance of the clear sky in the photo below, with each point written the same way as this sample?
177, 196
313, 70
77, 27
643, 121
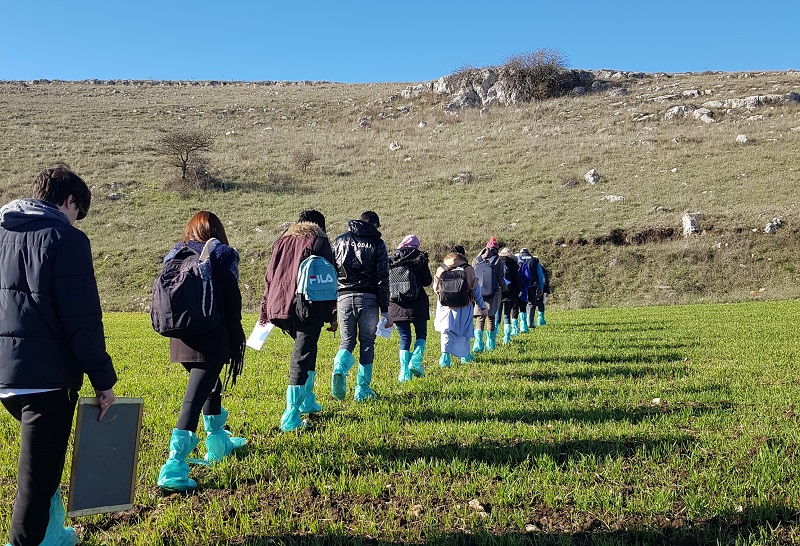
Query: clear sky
380, 41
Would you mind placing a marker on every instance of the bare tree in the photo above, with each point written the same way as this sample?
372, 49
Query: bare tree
303, 158
183, 146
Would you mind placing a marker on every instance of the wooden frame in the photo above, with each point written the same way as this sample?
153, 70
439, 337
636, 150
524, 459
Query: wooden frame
104, 457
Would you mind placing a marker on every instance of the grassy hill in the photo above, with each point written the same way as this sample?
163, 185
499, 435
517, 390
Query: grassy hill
602, 250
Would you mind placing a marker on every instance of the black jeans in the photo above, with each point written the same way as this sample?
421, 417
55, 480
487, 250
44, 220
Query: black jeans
304, 354
203, 393
46, 422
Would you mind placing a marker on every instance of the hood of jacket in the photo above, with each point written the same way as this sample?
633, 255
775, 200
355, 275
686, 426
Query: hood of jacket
304, 229
405, 256
359, 228
21, 211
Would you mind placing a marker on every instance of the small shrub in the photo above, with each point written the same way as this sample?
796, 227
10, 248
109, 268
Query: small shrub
303, 158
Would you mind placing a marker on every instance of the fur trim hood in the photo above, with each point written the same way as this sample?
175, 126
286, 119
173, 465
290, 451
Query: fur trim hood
305, 229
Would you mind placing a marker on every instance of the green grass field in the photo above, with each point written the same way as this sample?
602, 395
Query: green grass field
651, 425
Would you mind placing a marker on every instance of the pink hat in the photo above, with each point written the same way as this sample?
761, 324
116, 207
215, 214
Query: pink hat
409, 240
492, 243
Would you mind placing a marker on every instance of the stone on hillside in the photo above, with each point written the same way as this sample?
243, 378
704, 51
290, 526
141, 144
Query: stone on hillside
394, 146
741, 139
363, 122
690, 93
757, 117
690, 223
613, 198
772, 227
618, 92
704, 114
422, 124
569, 183
713, 104
678, 112
462, 178
592, 177
600, 86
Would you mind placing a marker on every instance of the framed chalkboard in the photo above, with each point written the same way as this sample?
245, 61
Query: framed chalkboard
104, 457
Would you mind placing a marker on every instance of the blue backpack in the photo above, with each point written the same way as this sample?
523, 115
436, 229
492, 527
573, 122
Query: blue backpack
317, 290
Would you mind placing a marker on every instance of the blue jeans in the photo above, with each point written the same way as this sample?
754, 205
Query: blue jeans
358, 319
404, 329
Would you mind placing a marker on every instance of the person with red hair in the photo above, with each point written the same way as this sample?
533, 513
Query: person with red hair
204, 356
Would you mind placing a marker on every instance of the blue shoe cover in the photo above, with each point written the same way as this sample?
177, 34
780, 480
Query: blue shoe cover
491, 340
174, 474
506, 333
477, 347
219, 442
363, 390
444, 360
417, 370
342, 363
310, 404
405, 370
514, 327
540, 320
56, 534
467, 359
523, 322
290, 420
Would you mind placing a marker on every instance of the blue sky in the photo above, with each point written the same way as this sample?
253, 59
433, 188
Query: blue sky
378, 41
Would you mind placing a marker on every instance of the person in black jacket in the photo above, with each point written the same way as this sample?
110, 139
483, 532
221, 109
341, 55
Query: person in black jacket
511, 296
51, 334
362, 262
204, 356
409, 274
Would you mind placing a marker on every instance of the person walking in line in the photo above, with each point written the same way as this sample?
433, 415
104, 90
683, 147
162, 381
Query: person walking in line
457, 291
489, 271
537, 283
511, 296
203, 356
542, 294
305, 238
51, 336
362, 263
409, 306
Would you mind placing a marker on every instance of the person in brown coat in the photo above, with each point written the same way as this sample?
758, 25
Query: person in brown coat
204, 356
278, 305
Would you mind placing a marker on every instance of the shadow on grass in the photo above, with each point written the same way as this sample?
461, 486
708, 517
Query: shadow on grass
761, 524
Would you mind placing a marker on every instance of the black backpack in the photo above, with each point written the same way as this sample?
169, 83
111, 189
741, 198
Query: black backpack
453, 287
403, 287
184, 303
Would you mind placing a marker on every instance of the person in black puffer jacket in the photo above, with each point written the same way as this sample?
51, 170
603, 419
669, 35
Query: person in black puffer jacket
511, 296
409, 274
51, 335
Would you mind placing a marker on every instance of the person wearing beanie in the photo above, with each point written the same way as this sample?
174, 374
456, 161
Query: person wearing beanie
489, 271
510, 306
304, 238
534, 291
362, 263
409, 305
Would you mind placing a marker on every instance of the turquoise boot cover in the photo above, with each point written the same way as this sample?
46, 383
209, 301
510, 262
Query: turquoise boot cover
444, 360
290, 420
514, 327
57, 534
310, 404
540, 320
467, 359
491, 340
523, 322
342, 363
506, 333
405, 370
363, 390
477, 346
219, 442
174, 474
417, 369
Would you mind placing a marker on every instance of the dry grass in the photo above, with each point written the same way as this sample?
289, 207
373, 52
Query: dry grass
518, 156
